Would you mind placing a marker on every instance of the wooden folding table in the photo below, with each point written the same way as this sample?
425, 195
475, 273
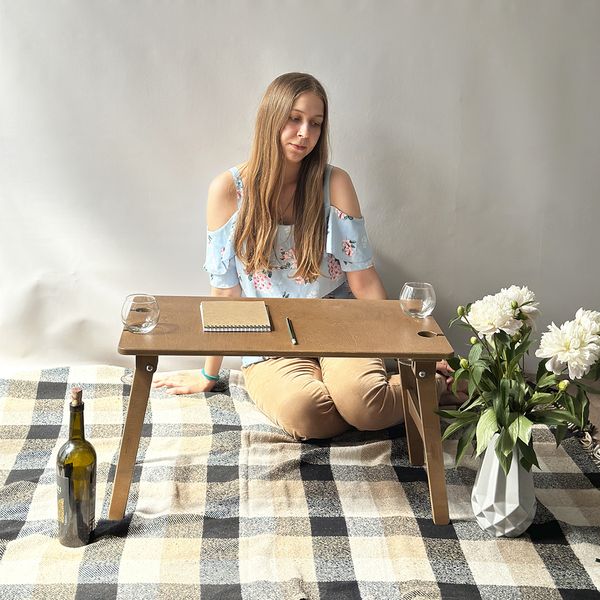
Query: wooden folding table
355, 328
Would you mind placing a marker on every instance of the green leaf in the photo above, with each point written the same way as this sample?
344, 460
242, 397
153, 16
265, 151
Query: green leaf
487, 383
497, 344
528, 455
559, 433
514, 363
502, 337
505, 442
465, 441
504, 460
454, 414
471, 388
486, 427
477, 372
475, 353
458, 375
512, 428
454, 362
525, 427
502, 402
546, 380
520, 351
528, 302
506, 387
582, 408
455, 320
522, 392
452, 428
541, 370
472, 403
567, 401
522, 348
498, 405
540, 398
520, 429
552, 417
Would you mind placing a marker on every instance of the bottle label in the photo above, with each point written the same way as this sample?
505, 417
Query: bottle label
76, 511
62, 492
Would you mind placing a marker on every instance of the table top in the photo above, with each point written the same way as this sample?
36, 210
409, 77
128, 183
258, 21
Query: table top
323, 327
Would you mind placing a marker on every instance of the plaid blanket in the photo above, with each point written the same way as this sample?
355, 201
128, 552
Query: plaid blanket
224, 505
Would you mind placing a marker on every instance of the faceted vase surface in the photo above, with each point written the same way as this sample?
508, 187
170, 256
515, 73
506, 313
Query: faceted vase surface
504, 505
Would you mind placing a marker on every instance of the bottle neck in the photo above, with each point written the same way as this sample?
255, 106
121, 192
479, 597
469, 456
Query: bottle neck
76, 429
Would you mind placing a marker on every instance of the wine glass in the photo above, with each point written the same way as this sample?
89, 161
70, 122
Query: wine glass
140, 313
417, 299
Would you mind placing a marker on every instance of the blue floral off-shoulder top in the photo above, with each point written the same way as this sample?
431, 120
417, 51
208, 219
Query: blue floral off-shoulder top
347, 248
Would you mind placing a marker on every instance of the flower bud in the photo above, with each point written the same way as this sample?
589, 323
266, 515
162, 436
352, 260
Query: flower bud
464, 363
460, 311
563, 385
473, 341
514, 305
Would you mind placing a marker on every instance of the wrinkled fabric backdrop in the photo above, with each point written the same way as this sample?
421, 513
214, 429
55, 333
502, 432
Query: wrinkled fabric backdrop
470, 130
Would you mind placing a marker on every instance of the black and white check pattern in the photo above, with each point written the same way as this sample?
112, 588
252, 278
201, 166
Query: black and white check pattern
225, 506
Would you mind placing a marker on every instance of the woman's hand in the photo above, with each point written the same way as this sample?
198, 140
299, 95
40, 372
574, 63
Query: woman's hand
447, 371
183, 382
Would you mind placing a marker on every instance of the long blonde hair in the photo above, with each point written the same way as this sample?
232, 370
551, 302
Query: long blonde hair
263, 173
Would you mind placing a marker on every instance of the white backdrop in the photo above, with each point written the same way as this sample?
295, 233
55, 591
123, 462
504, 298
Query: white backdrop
470, 129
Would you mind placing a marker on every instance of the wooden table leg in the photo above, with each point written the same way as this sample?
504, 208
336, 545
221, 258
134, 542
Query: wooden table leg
413, 437
432, 440
145, 367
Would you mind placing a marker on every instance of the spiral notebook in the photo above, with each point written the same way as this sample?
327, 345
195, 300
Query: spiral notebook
235, 316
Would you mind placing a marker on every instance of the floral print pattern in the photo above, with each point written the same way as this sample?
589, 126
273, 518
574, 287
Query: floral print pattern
285, 259
334, 267
288, 254
341, 215
261, 280
301, 281
239, 188
348, 247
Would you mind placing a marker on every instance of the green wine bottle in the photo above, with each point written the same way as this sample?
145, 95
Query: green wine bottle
76, 480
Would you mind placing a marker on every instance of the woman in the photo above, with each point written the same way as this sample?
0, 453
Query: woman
287, 224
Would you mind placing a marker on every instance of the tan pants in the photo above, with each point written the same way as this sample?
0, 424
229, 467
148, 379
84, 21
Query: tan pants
321, 398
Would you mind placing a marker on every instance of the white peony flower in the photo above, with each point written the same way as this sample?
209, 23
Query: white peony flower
521, 295
493, 314
570, 345
589, 320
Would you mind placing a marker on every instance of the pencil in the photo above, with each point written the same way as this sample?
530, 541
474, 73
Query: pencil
291, 330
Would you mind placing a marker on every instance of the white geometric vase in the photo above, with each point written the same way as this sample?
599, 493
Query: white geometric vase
504, 505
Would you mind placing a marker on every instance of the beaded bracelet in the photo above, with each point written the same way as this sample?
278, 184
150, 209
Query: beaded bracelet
210, 377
